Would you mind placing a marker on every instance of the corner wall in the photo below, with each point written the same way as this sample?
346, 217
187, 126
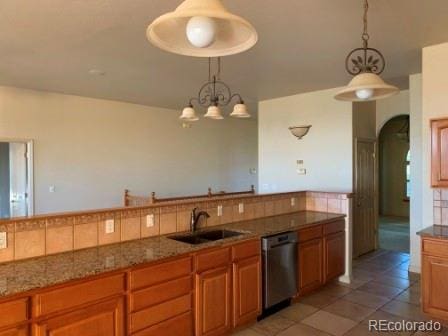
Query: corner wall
326, 150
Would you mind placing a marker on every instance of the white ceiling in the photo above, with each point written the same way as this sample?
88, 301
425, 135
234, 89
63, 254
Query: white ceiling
52, 45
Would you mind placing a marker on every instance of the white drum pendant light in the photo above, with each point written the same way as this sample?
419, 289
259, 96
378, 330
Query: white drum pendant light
202, 28
366, 64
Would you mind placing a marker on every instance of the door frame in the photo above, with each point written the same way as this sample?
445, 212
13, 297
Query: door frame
375, 184
30, 169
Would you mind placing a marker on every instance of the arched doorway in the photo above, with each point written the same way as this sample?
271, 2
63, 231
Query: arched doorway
394, 184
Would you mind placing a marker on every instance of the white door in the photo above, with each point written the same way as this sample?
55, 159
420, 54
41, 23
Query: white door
18, 170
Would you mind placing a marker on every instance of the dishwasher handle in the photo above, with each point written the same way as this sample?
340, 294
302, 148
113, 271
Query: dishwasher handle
278, 240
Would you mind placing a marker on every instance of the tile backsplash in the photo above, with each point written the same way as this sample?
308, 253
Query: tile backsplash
44, 235
441, 207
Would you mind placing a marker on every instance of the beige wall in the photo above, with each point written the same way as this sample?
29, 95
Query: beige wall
92, 149
326, 150
391, 107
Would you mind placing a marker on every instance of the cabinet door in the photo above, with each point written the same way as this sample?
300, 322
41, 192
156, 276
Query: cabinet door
334, 256
213, 295
246, 290
310, 266
102, 319
439, 150
434, 286
19, 331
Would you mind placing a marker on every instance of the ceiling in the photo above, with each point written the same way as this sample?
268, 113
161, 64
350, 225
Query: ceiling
52, 44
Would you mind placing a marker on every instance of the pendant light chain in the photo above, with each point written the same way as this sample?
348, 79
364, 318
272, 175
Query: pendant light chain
365, 34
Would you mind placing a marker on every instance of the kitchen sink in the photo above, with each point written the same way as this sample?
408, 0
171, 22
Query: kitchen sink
205, 237
218, 234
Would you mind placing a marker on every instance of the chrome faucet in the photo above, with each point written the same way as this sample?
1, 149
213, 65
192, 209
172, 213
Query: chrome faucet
195, 217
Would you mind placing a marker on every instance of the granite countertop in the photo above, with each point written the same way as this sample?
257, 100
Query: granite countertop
22, 276
435, 231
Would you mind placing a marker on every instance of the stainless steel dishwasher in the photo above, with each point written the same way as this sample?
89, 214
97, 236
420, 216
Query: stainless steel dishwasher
279, 268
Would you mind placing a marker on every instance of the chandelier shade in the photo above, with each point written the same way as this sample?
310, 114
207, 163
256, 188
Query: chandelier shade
232, 33
240, 111
366, 86
214, 112
189, 114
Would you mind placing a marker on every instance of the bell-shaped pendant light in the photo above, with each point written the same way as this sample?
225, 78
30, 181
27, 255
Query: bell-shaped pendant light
214, 112
202, 28
366, 64
189, 114
240, 111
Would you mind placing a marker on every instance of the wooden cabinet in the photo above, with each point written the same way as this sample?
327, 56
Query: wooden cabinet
213, 305
321, 255
435, 277
161, 299
439, 153
334, 256
18, 331
246, 283
310, 266
101, 319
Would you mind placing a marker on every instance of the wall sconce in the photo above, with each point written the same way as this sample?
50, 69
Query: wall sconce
300, 131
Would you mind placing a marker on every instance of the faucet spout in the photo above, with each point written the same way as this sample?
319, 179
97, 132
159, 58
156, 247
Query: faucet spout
195, 217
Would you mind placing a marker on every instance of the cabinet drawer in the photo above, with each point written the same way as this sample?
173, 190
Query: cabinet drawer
212, 259
246, 250
179, 325
334, 227
159, 313
435, 247
75, 295
310, 233
160, 293
13, 312
160, 273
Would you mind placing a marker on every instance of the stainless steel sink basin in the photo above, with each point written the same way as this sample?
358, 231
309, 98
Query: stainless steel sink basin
205, 237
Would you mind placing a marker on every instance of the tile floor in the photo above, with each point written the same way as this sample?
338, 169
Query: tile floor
382, 289
394, 233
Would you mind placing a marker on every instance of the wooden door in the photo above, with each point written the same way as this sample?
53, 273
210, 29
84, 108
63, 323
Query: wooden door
439, 153
213, 306
434, 286
19, 331
310, 266
246, 290
102, 319
334, 256
365, 216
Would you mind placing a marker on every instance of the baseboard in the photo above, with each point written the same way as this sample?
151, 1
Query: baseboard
414, 269
345, 279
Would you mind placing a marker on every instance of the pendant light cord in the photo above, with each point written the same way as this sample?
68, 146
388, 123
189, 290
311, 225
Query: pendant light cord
365, 34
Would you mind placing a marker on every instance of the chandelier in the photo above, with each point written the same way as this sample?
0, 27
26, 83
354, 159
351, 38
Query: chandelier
212, 95
202, 28
366, 64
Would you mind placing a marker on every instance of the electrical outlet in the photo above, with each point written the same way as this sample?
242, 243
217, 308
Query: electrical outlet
219, 210
150, 220
3, 240
110, 226
241, 208
293, 201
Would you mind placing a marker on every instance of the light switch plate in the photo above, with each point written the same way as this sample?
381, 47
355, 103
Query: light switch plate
241, 208
110, 226
301, 171
52, 189
3, 240
150, 220
219, 210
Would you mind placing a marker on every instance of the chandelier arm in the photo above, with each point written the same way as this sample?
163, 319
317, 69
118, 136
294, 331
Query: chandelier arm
241, 101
